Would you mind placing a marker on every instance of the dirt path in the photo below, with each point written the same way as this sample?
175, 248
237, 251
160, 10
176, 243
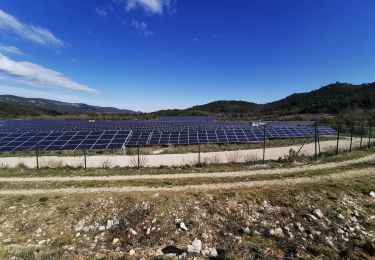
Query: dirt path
157, 160
192, 175
199, 187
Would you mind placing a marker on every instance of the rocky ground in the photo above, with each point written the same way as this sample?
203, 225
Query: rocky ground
321, 220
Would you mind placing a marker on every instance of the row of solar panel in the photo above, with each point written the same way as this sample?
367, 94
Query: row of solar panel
135, 125
100, 140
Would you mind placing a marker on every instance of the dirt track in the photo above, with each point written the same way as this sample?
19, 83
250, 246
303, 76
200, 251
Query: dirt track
171, 159
192, 175
199, 187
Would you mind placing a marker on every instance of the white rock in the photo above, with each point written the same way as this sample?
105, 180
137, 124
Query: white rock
41, 242
372, 194
101, 228
148, 232
132, 252
318, 213
300, 227
329, 242
115, 241
195, 246
278, 232
246, 230
312, 217
109, 224
340, 216
78, 234
183, 226
132, 231
212, 252
80, 226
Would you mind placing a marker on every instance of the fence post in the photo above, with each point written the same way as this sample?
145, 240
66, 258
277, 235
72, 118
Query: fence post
369, 138
351, 138
37, 158
85, 160
360, 144
264, 143
138, 159
338, 139
315, 143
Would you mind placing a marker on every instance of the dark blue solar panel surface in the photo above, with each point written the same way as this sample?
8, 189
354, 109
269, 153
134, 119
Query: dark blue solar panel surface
21, 135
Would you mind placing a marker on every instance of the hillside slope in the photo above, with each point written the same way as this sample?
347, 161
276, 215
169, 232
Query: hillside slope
58, 107
334, 99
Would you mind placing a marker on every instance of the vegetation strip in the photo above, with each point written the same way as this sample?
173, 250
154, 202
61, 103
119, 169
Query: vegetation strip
193, 175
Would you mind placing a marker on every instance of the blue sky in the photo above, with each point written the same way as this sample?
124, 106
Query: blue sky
154, 54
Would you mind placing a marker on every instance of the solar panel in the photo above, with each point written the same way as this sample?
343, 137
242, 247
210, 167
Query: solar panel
19, 135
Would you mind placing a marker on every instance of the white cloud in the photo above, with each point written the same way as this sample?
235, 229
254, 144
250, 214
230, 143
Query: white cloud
141, 27
36, 75
40, 35
150, 6
101, 11
10, 50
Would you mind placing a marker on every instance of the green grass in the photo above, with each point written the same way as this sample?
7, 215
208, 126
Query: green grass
178, 182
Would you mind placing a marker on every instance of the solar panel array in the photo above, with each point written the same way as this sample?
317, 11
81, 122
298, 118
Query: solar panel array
21, 135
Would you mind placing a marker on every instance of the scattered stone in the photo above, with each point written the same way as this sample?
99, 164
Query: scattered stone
312, 217
78, 234
246, 230
79, 226
148, 231
340, 216
210, 252
195, 246
278, 232
132, 232
109, 224
183, 226
115, 241
318, 213
41, 242
372, 194
101, 228
300, 227
131, 252
329, 242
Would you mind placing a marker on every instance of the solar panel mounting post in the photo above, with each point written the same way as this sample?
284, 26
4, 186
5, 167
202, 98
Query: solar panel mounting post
360, 144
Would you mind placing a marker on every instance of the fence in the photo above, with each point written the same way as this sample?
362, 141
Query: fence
348, 138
